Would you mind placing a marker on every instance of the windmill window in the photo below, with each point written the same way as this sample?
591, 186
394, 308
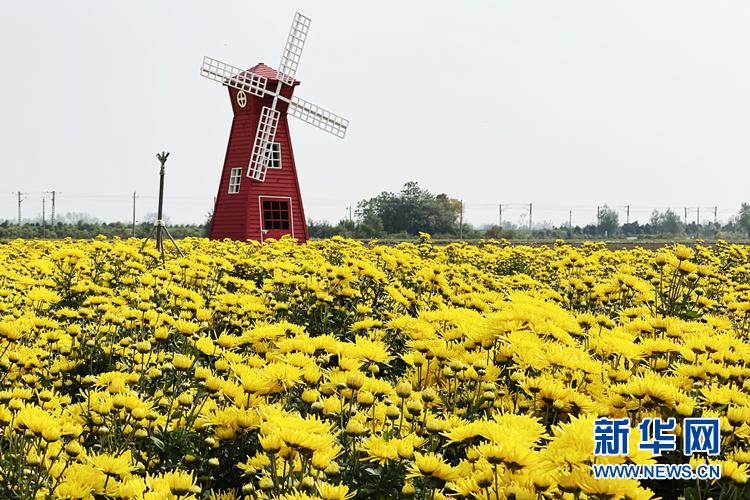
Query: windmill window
273, 155
234, 180
275, 215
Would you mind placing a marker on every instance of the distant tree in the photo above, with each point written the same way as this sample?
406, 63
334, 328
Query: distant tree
655, 221
457, 205
732, 225
672, 222
609, 221
370, 226
320, 229
207, 224
410, 211
743, 218
666, 222
346, 228
495, 232
632, 228
74, 217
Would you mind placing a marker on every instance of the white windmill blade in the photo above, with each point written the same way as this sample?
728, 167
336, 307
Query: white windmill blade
293, 49
234, 77
269, 120
315, 115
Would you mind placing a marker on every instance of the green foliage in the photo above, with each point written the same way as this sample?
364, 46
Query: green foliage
411, 211
743, 218
666, 222
320, 229
514, 265
609, 221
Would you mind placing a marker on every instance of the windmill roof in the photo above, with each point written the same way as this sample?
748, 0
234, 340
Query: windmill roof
267, 72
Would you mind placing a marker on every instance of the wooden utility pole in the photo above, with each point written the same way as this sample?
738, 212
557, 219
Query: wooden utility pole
44, 227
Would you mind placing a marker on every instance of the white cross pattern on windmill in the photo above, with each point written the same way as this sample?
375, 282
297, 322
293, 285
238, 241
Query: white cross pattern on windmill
245, 81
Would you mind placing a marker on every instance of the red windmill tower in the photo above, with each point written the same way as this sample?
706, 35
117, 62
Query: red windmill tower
259, 194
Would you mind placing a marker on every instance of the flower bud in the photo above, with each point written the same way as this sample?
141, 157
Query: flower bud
408, 491
355, 381
405, 450
185, 399
51, 433
403, 390
143, 346
266, 483
309, 396
414, 407
365, 399
354, 428
428, 394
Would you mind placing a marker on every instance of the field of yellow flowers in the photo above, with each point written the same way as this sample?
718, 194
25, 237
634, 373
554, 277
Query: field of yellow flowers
338, 369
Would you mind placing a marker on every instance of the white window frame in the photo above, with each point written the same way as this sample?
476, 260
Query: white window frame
235, 176
273, 155
263, 231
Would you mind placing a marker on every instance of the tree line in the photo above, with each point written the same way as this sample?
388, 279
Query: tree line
414, 210
88, 230
405, 214
667, 224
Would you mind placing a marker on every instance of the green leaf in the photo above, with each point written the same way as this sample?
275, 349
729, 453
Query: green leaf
368, 488
373, 472
690, 494
158, 443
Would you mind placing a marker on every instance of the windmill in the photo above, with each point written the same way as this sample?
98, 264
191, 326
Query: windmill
268, 203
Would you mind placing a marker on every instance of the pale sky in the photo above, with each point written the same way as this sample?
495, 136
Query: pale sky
566, 105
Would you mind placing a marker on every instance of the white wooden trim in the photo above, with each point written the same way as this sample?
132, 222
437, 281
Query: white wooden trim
237, 178
260, 213
270, 160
